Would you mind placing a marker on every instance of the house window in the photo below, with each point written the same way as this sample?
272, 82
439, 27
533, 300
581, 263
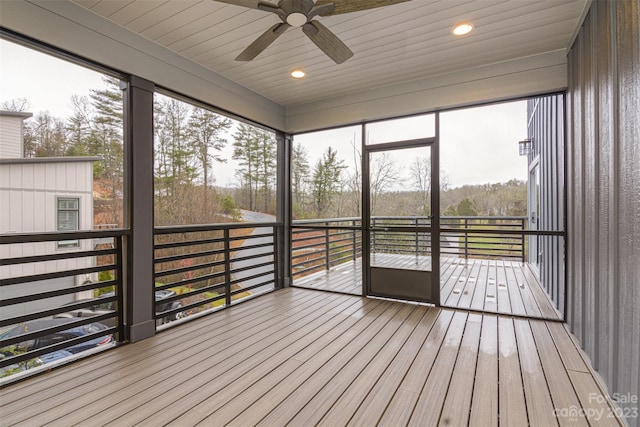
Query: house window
68, 219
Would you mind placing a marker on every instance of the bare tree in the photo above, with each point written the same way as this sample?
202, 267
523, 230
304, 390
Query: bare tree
383, 173
421, 174
47, 134
354, 180
16, 104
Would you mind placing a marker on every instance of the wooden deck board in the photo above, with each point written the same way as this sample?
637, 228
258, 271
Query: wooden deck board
364, 394
521, 302
491, 301
239, 393
434, 389
134, 358
402, 404
484, 402
319, 374
541, 410
268, 307
372, 359
502, 290
561, 390
226, 383
299, 367
480, 292
546, 308
247, 364
512, 404
158, 375
492, 286
302, 357
457, 404
418, 357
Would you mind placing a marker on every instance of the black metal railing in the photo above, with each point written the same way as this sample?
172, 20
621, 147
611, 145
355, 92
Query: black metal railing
50, 295
205, 267
321, 244
391, 240
491, 237
324, 243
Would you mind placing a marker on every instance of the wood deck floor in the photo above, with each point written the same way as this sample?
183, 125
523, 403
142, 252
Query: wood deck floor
301, 357
501, 287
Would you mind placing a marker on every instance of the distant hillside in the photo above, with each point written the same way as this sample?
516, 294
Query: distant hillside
501, 199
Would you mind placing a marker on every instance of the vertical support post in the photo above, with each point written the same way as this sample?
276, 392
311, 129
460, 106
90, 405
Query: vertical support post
118, 244
435, 214
227, 267
466, 239
283, 233
365, 213
373, 235
139, 288
522, 225
326, 246
417, 223
354, 241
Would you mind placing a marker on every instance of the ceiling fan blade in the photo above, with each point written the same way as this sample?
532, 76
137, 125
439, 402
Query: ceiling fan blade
346, 6
322, 10
262, 42
270, 7
328, 42
251, 4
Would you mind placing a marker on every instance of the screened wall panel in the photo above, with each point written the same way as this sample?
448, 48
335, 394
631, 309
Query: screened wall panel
546, 131
604, 195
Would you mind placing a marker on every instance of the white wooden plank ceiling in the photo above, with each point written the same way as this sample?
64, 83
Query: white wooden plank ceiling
393, 44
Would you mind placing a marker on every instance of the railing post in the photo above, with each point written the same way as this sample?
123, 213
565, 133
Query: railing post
227, 268
326, 245
466, 239
373, 236
522, 225
119, 245
355, 240
417, 222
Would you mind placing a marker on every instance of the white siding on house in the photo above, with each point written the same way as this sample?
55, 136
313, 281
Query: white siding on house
29, 191
11, 131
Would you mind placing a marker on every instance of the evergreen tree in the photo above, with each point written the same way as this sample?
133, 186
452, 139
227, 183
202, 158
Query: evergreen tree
176, 161
256, 151
467, 207
205, 132
105, 138
299, 175
326, 180
267, 158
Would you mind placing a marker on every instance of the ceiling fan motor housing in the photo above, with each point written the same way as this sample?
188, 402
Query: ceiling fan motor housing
296, 11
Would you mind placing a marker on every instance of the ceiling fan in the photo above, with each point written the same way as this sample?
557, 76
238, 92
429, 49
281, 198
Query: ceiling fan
300, 13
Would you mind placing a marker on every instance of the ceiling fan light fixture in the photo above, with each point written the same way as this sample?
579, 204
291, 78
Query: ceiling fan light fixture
298, 73
296, 19
302, 14
462, 29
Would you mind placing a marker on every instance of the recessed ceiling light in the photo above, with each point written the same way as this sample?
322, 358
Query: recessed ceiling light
462, 29
298, 73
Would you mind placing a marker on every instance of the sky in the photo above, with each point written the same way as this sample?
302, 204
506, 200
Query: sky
47, 82
477, 145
